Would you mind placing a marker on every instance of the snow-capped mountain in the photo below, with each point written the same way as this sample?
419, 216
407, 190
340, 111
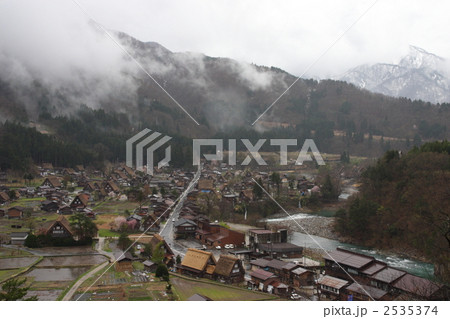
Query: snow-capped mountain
418, 75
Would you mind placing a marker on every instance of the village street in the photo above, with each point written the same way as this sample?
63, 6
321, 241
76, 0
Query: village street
167, 232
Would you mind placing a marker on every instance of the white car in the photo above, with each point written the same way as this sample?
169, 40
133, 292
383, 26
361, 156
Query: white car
218, 247
231, 246
138, 247
227, 246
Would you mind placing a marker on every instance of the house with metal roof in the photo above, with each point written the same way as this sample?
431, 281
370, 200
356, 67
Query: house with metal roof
331, 287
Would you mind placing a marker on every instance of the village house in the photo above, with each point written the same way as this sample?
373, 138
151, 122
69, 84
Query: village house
280, 250
198, 263
111, 186
124, 262
215, 235
150, 266
301, 277
260, 279
384, 279
229, 269
360, 292
332, 287
205, 185
15, 212
80, 201
185, 228
417, 288
49, 206
264, 236
60, 228
52, 182
66, 210
351, 262
4, 198
168, 253
18, 238
151, 223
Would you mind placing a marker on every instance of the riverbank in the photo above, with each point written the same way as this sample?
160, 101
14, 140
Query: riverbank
309, 224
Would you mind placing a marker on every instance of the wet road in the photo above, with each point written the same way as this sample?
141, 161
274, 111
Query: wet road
167, 232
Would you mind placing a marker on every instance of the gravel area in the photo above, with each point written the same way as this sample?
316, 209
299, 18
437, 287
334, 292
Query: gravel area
314, 225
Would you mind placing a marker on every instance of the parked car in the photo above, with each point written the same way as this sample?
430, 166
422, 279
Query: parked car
227, 246
218, 247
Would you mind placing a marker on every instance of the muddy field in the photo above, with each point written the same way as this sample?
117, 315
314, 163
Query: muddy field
52, 274
17, 262
64, 261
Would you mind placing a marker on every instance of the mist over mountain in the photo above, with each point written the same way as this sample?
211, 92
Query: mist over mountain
48, 73
420, 75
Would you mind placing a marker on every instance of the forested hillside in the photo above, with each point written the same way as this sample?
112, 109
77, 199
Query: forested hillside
404, 203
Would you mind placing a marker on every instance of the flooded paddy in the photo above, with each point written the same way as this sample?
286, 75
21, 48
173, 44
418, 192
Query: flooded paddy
16, 262
53, 274
74, 261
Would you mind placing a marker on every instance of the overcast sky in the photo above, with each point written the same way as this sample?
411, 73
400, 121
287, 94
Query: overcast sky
287, 34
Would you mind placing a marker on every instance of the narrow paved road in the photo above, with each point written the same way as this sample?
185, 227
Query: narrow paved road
77, 285
101, 243
168, 230
166, 233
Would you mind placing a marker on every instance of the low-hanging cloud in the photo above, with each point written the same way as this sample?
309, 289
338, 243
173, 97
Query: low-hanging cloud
56, 45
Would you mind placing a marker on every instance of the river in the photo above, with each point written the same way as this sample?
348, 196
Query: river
412, 266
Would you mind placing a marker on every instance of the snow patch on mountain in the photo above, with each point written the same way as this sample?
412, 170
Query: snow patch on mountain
418, 75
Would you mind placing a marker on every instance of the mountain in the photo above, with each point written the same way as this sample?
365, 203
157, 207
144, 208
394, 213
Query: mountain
420, 75
223, 95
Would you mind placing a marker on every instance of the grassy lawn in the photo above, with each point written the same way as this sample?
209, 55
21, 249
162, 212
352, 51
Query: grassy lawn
185, 288
138, 265
115, 207
107, 233
4, 274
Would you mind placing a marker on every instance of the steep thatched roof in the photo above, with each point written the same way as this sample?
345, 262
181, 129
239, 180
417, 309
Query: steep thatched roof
197, 259
225, 265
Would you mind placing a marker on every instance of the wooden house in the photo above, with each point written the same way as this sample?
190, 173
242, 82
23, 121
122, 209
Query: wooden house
301, 277
215, 235
416, 288
49, 206
15, 212
332, 287
260, 279
198, 263
353, 263
124, 262
229, 269
385, 278
360, 292
185, 228
60, 228
4, 198
150, 266
111, 186
52, 182
80, 201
